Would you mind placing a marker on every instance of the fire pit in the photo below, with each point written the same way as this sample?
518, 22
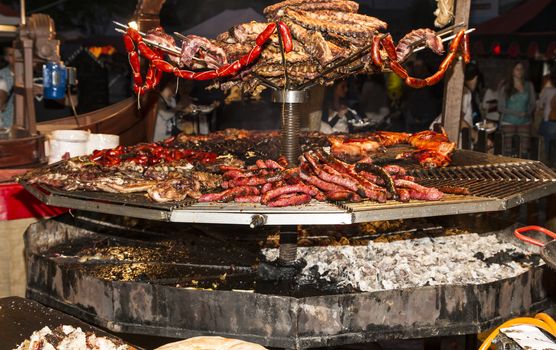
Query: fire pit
173, 280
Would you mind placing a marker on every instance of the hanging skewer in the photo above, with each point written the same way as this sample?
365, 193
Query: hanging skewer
422, 47
154, 44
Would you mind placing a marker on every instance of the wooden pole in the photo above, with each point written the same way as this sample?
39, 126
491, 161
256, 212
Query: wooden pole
453, 89
147, 17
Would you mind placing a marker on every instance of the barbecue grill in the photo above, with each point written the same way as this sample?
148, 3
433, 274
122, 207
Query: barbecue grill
236, 293
225, 287
495, 183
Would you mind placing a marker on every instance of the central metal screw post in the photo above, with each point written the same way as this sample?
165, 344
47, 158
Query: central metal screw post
291, 118
288, 243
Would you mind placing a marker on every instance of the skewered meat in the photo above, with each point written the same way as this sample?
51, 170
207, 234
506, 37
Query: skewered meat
214, 56
312, 33
432, 41
311, 5
324, 23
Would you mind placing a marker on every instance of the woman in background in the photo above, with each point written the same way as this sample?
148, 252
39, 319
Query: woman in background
336, 116
516, 103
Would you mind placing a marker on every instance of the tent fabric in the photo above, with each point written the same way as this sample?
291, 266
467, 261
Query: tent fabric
224, 21
8, 16
521, 31
7, 11
514, 19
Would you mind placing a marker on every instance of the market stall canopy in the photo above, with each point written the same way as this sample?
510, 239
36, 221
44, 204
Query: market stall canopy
526, 30
224, 21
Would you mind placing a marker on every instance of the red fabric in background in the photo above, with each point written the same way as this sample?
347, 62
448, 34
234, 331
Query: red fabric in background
17, 203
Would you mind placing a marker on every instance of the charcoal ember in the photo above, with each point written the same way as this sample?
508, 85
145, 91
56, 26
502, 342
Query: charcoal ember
279, 276
279, 270
415, 262
507, 256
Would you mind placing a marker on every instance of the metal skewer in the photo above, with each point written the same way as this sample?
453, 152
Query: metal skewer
440, 33
180, 35
173, 51
448, 38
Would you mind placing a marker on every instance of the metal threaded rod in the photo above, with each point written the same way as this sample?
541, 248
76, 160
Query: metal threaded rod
288, 243
291, 101
291, 115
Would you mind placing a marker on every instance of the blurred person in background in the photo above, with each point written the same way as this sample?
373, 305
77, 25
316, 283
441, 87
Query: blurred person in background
373, 100
336, 116
422, 105
547, 107
166, 114
470, 109
6, 89
516, 103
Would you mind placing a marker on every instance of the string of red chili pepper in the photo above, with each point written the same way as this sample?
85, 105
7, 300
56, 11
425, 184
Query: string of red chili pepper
134, 44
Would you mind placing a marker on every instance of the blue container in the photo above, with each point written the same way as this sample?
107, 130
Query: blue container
54, 80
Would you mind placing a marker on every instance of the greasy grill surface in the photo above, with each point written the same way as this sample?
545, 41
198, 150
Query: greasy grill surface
494, 183
490, 180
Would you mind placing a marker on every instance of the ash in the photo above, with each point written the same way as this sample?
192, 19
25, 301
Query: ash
458, 259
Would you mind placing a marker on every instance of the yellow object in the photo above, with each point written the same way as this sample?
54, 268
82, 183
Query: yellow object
394, 86
540, 320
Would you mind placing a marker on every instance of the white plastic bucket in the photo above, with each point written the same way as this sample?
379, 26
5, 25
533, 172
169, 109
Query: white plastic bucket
73, 142
102, 141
